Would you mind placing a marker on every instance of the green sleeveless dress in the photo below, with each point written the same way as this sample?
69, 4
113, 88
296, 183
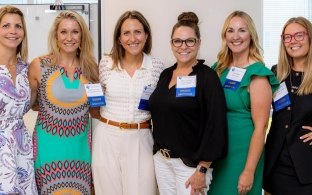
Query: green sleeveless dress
62, 136
240, 128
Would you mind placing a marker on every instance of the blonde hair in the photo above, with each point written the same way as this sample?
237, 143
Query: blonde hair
285, 62
85, 55
118, 52
22, 48
225, 56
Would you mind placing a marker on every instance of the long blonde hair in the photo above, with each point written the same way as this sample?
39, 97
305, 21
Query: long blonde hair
285, 62
225, 56
85, 55
22, 48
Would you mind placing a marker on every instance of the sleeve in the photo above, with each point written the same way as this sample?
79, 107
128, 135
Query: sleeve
105, 67
158, 68
214, 66
261, 70
214, 135
274, 68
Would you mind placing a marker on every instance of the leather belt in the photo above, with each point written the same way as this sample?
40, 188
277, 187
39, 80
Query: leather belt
168, 153
143, 125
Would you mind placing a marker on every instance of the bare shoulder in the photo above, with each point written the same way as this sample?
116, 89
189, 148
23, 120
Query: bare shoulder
34, 69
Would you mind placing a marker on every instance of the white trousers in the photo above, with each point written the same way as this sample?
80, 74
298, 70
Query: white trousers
172, 174
122, 161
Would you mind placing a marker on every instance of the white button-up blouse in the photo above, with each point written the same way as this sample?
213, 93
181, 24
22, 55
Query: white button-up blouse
123, 93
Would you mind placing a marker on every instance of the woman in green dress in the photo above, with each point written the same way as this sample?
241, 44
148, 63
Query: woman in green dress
62, 136
248, 87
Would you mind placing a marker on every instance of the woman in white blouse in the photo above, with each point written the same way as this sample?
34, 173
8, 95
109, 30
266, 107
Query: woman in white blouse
122, 154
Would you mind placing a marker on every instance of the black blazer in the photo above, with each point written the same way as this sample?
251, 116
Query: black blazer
287, 126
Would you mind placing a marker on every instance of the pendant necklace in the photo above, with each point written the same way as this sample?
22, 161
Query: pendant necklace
294, 88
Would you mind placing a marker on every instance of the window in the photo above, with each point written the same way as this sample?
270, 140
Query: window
14, 2
65, 1
45, 1
275, 15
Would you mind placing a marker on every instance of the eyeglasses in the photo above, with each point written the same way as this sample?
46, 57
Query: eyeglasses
188, 42
298, 36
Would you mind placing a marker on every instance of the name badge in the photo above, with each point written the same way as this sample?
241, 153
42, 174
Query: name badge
186, 86
95, 95
234, 78
147, 91
281, 97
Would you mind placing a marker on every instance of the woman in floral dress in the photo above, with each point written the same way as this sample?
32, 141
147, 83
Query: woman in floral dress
16, 151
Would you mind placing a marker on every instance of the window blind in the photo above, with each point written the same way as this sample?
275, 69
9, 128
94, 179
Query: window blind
275, 15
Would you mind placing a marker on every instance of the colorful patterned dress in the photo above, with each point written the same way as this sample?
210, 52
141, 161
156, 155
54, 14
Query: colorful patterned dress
16, 151
62, 136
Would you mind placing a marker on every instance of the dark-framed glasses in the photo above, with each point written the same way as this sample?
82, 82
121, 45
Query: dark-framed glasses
188, 42
298, 36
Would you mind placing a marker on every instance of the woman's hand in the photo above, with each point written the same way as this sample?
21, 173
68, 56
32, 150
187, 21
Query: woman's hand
245, 182
307, 137
197, 182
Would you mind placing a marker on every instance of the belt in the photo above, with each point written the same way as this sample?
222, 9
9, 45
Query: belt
168, 153
143, 125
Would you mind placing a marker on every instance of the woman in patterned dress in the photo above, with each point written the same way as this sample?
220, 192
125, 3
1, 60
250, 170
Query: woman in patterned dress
16, 151
62, 135
122, 154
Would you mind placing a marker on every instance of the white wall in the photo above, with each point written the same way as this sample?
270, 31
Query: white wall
39, 20
162, 15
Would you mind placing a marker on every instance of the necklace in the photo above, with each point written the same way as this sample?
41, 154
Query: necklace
293, 87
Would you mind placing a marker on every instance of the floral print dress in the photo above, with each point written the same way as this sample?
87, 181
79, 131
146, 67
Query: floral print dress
16, 151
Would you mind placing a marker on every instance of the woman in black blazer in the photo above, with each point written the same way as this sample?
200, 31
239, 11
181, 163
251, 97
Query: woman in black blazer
288, 158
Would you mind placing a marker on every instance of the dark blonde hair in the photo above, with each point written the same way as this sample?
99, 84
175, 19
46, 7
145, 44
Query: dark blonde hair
85, 51
225, 56
285, 62
22, 48
118, 52
188, 19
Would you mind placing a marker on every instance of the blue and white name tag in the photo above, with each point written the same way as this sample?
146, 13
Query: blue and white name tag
234, 78
281, 97
147, 91
95, 95
186, 86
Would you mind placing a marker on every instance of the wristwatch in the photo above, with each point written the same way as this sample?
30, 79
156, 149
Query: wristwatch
201, 169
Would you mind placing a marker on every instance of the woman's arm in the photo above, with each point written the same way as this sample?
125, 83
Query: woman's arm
95, 112
34, 73
197, 181
261, 98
